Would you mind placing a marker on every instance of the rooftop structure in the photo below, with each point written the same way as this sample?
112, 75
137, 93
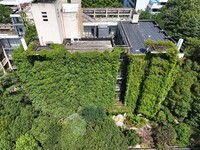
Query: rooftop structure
134, 35
67, 22
89, 45
56, 20
109, 14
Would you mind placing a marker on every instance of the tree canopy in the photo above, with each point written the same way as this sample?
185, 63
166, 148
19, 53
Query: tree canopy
5, 14
101, 3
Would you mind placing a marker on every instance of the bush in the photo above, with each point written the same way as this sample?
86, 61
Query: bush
183, 134
132, 137
164, 137
132, 120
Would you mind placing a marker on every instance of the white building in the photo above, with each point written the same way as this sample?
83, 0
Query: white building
13, 4
8, 2
57, 20
17, 24
136, 4
155, 5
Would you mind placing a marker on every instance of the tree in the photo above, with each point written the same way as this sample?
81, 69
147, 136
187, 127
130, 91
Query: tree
183, 134
145, 14
104, 135
192, 49
46, 131
101, 3
179, 98
27, 142
73, 128
5, 14
165, 136
181, 18
93, 114
132, 137
30, 29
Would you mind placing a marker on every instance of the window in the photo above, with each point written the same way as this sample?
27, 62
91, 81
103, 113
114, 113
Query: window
163, 3
68, 1
154, 10
44, 16
20, 30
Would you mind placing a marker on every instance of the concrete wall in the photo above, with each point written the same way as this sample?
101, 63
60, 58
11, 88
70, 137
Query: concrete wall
56, 21
72, 21
48, 23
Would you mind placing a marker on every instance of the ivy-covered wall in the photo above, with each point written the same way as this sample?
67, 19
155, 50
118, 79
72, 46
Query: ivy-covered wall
60, 83
136, 74
150, 77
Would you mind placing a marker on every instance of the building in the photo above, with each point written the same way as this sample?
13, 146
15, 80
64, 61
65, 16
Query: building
13, 4
63, 22
134, 35
17, 24
155, 5
102, 22
136, 4
7, 44
56, 20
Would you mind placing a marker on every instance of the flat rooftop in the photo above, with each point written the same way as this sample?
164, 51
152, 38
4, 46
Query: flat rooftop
89, 45
136, 34
43, 1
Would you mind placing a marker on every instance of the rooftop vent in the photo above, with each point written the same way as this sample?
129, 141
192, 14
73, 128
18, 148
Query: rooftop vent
135, 18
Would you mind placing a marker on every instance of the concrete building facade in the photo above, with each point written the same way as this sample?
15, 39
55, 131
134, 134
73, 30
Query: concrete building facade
63, 19
17, 24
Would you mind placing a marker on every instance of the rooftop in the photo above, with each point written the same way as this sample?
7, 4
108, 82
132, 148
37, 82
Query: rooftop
136, 34
89, 45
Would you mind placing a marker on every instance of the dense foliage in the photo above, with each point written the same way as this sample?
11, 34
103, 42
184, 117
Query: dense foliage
165, 136
166, 91
57, 100
5, 12
136, 74
68, 82
150, 78
44, 109
101, 3
180, 18
30, 29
